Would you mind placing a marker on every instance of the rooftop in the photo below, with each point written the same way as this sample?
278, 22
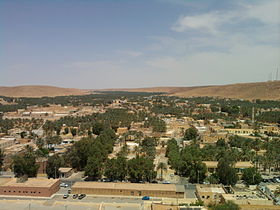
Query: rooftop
64, 170
211, 188
243, 164
31, 182
125, 186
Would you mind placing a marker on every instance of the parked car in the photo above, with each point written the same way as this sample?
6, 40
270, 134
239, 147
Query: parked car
69, 191
277, 180
105, 180
75, 196
146, 198
166, 182
63, 185
65, 196
81, 196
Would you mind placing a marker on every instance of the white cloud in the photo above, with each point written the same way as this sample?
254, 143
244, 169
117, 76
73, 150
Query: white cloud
266, 12
206, 22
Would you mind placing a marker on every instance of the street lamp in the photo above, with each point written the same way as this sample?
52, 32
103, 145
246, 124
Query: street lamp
254, 178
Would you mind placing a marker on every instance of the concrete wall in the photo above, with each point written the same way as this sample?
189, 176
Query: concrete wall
122, 192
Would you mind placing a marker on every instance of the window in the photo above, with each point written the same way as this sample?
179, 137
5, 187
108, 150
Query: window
208, 196
203, 196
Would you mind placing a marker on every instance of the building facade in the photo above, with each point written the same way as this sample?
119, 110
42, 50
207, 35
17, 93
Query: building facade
39, 187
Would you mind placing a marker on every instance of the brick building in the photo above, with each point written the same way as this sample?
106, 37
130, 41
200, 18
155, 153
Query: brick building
39, 187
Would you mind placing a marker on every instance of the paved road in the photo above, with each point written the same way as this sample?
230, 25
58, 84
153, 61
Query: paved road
99, 199
58, 203
90, 202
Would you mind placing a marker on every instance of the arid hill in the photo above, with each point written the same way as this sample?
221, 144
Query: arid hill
249, 91
39, 91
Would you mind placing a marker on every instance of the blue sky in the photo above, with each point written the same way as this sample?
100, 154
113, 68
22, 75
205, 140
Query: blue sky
138, 43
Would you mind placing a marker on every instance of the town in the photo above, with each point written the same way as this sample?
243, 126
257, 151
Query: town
139, 150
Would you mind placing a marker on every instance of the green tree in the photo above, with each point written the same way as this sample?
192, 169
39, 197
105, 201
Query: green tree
212, 179
66, 130
148, 146
25, 165
251, 176
198, 172
97, 128
53, 164
116, 169
23, 134
93, 168
226, 206
191, 133
73, 131
226, 173
141, 169
221, 143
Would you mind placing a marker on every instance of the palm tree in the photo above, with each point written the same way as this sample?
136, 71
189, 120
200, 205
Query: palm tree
162, 167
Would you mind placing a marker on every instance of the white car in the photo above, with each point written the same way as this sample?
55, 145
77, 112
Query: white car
63, 185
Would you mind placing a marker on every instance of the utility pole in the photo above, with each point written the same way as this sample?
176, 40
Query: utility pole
253, 115
198, 176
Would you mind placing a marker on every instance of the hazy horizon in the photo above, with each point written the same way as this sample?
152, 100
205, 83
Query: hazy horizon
133, 44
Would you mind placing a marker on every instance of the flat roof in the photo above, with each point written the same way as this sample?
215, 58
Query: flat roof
64, 170
4, 180
239, 164
31, 182
242, 197
272, 187
210, 188
126, 186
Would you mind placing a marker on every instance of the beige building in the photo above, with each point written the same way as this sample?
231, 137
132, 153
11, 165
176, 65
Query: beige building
6, 143
39, 187
122, 130
128, 189
65, 172
247, 198
240, 165
211, 138
210, 193
242, 132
